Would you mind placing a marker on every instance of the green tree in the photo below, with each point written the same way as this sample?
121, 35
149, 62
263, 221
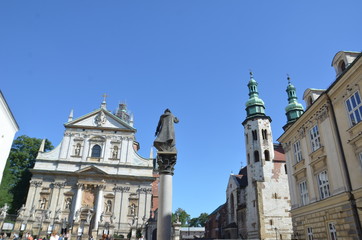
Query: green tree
15, 183
182, 216
199, 221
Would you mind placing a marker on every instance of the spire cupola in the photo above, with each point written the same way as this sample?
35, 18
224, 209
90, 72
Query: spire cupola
294, 109
255, 105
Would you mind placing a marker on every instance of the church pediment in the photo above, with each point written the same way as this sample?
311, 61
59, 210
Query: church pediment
100, 118
91, 170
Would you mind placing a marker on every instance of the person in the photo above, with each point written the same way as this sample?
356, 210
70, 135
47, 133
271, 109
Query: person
165, 132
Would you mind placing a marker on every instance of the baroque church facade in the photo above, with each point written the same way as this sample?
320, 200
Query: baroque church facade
257, 198
94, 182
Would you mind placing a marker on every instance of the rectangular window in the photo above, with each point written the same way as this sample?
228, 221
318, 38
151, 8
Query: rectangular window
310, 233
354, 108
304, 193
332, 231
315, 138
297, 152
323, 185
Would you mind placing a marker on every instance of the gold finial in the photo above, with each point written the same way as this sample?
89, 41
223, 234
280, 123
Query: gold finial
104, 97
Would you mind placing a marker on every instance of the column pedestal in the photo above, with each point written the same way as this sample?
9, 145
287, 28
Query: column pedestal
166, 162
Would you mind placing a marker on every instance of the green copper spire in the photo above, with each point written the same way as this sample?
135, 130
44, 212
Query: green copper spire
254, 106
294, 109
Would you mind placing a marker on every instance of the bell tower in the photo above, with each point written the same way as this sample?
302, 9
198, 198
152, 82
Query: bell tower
258, 136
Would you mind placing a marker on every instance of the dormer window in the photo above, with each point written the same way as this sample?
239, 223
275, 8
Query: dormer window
310, 101
96, 151
342, 60
341, 66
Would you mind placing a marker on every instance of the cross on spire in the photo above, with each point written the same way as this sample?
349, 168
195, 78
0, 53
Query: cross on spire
104, 104
104, 96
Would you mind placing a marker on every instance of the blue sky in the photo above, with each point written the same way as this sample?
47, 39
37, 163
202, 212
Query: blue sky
192, 56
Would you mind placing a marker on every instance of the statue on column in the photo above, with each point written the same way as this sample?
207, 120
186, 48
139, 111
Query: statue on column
165, 133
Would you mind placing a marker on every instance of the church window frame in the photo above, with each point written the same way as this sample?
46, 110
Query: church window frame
232, 208
256, 156
354, 108
315, 138
297, 150
264, 133
255, 135
267, 155
96, 151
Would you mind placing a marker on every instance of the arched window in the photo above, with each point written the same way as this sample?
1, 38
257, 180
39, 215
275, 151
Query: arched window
248, 158
255, 136
232, 214
264, 132
342, 66
266, 155
96, 151
256, 156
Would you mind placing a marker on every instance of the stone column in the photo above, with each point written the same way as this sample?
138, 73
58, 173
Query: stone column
166, 162
78, 200
99, 205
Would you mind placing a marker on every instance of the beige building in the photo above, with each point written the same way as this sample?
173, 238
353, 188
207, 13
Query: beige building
323, 148
93, 183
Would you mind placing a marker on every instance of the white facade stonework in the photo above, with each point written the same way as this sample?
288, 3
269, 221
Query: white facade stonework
93, 183
8, 128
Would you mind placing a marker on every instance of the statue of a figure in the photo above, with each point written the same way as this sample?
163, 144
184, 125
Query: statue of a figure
57, 214
4, 211
101, 217
89, 216
165, 132
21, 211
77, 215
47, 214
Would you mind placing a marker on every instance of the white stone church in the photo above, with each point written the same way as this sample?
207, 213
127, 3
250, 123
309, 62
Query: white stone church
93, 183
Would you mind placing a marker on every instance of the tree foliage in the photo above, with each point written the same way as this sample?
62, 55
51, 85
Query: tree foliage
182, 216
15, 183
199, 221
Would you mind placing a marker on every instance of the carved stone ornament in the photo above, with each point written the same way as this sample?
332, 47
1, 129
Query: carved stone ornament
34, 183
121, 189
322, 113
144, 190
100, 119
166, 162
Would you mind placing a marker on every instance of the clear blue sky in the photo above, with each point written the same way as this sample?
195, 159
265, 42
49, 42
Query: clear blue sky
192, 56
